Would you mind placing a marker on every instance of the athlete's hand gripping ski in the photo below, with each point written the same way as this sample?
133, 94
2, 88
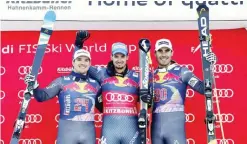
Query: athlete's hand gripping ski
211, 57
31, 82
145, 96
45, 34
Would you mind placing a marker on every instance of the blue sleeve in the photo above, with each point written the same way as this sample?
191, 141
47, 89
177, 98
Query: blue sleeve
96, 73
49, 92
190, 79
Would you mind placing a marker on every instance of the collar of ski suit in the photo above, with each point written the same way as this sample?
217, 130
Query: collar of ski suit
112, 72
79, 76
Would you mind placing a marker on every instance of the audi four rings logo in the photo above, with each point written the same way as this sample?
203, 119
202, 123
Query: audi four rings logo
189, 117
33, 118
223, 93
2, 94
98, 117
2, 70
225, 141
190, 93
57, 117
116, 97
225, 117
190, 141
189, 66
223, 68
30, 141
21, 94
23, 70
2, 119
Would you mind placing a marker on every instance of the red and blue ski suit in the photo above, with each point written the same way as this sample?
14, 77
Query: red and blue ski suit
168, 118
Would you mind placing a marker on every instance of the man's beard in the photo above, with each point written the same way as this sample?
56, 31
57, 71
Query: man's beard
164, 65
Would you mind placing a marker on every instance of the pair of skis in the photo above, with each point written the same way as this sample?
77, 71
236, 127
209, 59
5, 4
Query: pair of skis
144, 63
45, 33
205, 42
208, 75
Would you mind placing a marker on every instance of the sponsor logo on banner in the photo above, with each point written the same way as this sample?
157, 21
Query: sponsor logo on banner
223, 93
2, 94
223, 68
33, 118
64, 69
59, 48
96, 47
194, 50
2, 70
21, 94
1, 141
225, 141
190, 93
30, 141
98, 119
24, 70
34, 5
190, 141
9, 49
57, 118
2, 119
189, 66
156, 4
225, 117
116, 97
189, 117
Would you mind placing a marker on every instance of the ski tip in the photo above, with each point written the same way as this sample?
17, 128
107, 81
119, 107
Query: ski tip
50, 16
144, 44
202, 7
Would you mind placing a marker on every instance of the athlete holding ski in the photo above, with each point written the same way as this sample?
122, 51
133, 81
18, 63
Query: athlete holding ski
120, 94
77, 94
170, 84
